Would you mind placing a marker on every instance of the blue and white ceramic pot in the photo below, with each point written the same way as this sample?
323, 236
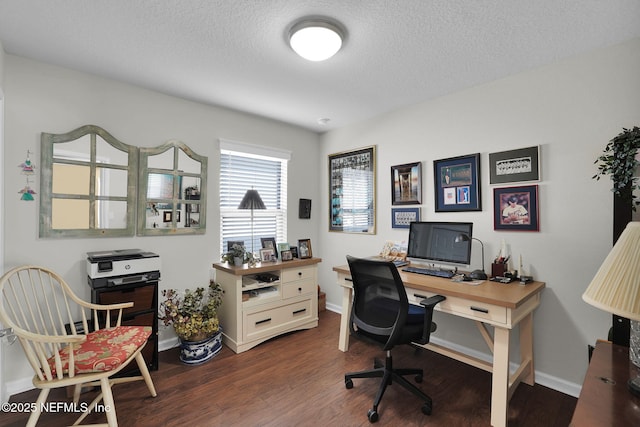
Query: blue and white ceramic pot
197, 352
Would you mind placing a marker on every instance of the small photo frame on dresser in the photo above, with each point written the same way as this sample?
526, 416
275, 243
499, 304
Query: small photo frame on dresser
267, 255
286, 255
304, 248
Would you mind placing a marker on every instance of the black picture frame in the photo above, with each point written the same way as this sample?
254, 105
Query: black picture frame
516, 208
269, 243
351, 170
406, 184
519, 165
294, 251
304, 209
230, 244
457, 184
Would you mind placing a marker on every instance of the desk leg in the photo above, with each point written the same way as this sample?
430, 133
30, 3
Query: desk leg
500, 382
343, 343
526, 347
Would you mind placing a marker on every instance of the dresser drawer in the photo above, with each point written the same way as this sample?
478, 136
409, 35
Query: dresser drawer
142, 298
462, 307
264, 323
292, 274
299, 288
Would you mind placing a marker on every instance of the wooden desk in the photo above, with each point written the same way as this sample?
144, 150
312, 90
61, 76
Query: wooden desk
605, 399
502, 306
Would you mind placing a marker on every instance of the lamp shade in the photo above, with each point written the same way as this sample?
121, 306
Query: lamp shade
252, 200
616, 286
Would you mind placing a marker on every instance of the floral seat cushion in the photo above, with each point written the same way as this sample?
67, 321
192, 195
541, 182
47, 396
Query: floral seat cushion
103, 350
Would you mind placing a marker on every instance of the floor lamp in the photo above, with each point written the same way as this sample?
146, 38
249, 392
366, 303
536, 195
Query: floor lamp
616, 289
252, 200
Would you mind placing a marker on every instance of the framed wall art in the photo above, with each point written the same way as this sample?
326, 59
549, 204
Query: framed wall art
515, 165
406, 184
402, 217
457, 184
516, 208
352, 189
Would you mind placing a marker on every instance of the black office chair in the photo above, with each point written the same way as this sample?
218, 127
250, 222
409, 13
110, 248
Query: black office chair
382, 313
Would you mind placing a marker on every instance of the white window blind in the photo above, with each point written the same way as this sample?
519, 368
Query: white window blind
240, 170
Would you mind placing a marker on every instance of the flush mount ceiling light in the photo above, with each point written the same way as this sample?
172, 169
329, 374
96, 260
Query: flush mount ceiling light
316, 39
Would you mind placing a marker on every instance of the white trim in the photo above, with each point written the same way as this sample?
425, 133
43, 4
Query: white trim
257, 150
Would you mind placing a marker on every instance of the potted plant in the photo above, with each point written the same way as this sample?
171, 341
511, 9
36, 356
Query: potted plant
194, 317
619, 161
237, 255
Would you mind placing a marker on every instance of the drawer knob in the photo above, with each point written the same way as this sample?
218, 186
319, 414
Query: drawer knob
299, 273
299, 289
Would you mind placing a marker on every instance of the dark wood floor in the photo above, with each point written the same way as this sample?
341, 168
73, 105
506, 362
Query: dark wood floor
298, 380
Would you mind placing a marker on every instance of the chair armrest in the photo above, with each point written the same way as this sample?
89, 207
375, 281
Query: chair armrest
429, 304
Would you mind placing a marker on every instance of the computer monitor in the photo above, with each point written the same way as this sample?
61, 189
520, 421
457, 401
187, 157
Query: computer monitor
435, 242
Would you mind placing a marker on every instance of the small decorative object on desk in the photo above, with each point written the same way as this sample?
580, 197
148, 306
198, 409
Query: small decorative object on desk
394, 251
194, 317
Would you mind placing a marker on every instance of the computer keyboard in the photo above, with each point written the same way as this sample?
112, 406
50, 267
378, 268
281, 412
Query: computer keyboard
429, 272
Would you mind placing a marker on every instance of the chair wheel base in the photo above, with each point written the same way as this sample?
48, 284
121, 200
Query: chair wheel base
426, 408
372, 415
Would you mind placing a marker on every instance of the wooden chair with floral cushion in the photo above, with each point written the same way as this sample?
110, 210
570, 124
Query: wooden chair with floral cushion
46, 315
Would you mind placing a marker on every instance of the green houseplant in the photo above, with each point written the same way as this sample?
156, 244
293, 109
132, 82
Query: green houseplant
619, 161
237, 255
194, 317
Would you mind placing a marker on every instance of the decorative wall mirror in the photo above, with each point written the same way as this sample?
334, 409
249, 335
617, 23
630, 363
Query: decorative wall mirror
88, 184
172, 190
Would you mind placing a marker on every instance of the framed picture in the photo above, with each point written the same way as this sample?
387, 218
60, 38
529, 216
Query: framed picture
167, 216
402, 217
286, 255
267, 255
294, 251
515, 165
352, 189
304, 208
457, 184
516, 208
304, 248
406, 184
269, 243
230, 244
282, 247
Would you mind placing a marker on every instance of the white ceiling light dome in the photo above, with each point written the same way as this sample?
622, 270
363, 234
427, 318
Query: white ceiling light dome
316, 39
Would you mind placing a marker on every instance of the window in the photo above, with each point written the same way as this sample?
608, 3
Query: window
243, 167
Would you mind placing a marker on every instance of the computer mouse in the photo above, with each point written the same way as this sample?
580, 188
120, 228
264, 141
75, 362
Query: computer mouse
478, 275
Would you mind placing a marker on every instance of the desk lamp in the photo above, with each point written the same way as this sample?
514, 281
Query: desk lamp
252, 200
616, 289
475, 274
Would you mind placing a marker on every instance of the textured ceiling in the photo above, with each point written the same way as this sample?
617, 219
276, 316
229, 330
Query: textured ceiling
233, 53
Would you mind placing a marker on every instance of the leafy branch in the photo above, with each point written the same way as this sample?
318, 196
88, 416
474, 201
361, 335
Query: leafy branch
619, 162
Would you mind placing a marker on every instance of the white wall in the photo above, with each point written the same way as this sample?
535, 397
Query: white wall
44, 98
571, 109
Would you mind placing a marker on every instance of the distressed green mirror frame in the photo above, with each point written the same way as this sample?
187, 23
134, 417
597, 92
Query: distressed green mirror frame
172, 191
87, 184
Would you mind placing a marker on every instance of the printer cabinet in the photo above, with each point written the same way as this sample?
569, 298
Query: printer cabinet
266, 301
143, 313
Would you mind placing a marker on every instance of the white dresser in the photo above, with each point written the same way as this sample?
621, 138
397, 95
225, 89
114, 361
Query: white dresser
266, 301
